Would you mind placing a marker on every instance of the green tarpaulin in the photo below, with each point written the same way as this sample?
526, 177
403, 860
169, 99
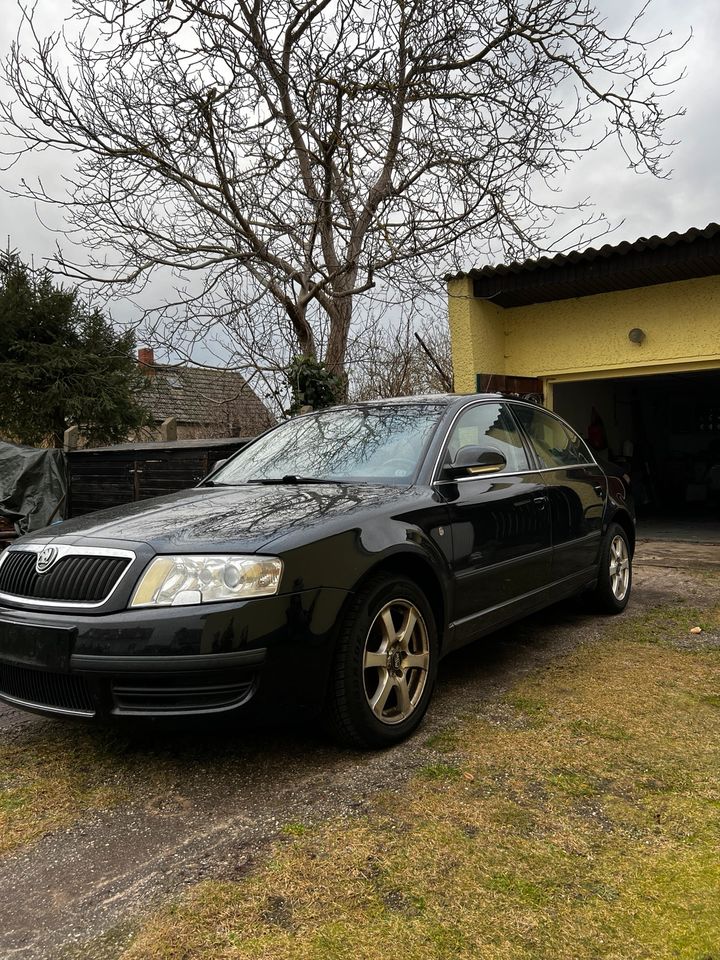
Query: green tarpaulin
33, 486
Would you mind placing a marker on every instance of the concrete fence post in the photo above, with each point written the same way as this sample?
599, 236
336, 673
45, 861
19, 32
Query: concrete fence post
70, 438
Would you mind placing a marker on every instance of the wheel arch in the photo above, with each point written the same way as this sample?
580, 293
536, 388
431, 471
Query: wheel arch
418, 569
624, 520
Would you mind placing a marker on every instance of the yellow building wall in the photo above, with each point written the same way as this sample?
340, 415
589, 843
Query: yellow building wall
587, 336
475, 341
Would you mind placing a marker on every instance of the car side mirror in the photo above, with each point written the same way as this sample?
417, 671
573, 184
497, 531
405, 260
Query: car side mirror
218, 464
472, 461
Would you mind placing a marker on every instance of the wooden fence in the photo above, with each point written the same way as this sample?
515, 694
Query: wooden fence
109, 476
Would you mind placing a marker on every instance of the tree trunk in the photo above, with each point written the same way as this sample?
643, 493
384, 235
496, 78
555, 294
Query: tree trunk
303, 330
340, 319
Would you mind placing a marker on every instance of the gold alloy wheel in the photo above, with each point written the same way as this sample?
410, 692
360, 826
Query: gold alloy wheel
396, 659
619, 567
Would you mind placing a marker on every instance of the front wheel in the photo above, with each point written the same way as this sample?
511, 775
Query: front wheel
615, 576
385, 665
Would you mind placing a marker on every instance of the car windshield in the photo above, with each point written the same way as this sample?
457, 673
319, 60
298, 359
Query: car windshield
364, 443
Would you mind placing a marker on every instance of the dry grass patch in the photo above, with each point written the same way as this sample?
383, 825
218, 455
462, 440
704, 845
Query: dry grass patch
580, 822
51, 777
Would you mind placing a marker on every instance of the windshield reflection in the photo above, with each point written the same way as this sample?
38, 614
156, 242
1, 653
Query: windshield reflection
368, 443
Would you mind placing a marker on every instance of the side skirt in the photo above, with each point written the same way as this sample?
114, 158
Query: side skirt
464, 631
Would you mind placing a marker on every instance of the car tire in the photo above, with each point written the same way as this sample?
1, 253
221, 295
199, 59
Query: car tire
385, 665
615, 576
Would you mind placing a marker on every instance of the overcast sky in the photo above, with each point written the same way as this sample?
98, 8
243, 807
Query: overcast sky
690, 197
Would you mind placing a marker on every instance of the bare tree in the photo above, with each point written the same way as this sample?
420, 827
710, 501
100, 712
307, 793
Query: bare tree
291, 151
399, 360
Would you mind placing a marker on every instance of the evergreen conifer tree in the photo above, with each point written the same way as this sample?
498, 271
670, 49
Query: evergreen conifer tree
62, 362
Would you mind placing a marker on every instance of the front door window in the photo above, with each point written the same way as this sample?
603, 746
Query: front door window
490, 426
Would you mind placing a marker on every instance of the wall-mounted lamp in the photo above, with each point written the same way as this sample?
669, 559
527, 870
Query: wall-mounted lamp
636, 335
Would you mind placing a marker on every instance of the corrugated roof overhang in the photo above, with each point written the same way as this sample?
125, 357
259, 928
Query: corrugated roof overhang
647, 261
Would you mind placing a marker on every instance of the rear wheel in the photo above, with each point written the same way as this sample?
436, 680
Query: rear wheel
385, 665
615, 577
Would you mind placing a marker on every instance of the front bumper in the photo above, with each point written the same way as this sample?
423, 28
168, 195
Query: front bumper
173, 661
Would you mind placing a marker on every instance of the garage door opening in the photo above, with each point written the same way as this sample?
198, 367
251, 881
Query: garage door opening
664, 431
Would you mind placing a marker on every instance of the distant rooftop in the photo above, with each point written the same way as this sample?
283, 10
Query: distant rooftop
647, 261
206, 397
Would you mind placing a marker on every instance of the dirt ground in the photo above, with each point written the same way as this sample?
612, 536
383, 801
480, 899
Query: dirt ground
232, 794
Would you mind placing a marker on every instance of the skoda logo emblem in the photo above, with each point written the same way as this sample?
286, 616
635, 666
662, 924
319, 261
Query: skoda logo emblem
46, 559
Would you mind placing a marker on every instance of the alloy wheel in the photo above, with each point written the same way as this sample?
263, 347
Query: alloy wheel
396, 659
619, 567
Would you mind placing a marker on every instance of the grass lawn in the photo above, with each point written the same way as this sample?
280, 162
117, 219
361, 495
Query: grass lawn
577, 818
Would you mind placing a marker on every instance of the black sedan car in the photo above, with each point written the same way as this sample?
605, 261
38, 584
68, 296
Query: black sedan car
328, 565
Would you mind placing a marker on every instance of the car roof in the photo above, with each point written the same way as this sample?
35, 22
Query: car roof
437, 399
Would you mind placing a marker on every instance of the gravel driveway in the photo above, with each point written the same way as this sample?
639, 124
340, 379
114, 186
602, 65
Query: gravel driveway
233, 793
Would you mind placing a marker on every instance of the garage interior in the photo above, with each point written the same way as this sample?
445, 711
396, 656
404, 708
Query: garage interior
663, 430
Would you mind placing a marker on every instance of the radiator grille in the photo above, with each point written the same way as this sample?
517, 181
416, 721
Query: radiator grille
72, 579
58, 690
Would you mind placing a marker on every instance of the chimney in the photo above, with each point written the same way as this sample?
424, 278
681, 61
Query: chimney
146, 360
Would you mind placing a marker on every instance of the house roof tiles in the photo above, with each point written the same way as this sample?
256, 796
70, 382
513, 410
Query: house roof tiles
207, 397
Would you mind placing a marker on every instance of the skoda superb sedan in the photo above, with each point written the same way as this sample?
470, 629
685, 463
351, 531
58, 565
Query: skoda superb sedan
327, 566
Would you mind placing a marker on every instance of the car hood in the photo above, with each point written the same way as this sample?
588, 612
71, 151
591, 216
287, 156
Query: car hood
244, 518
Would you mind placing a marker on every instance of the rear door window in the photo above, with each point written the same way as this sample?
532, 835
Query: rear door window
555, 444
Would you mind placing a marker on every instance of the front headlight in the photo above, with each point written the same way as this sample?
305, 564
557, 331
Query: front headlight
173, 581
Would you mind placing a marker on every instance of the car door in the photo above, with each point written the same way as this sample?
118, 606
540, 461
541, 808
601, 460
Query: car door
499, 522
576, 487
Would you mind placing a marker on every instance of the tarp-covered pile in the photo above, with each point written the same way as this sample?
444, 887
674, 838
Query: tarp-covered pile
33, 486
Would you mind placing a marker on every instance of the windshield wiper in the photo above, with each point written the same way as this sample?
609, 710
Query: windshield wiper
293, 478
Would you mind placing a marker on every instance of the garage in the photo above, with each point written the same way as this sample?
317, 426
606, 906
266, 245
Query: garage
623, 342
662, 430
